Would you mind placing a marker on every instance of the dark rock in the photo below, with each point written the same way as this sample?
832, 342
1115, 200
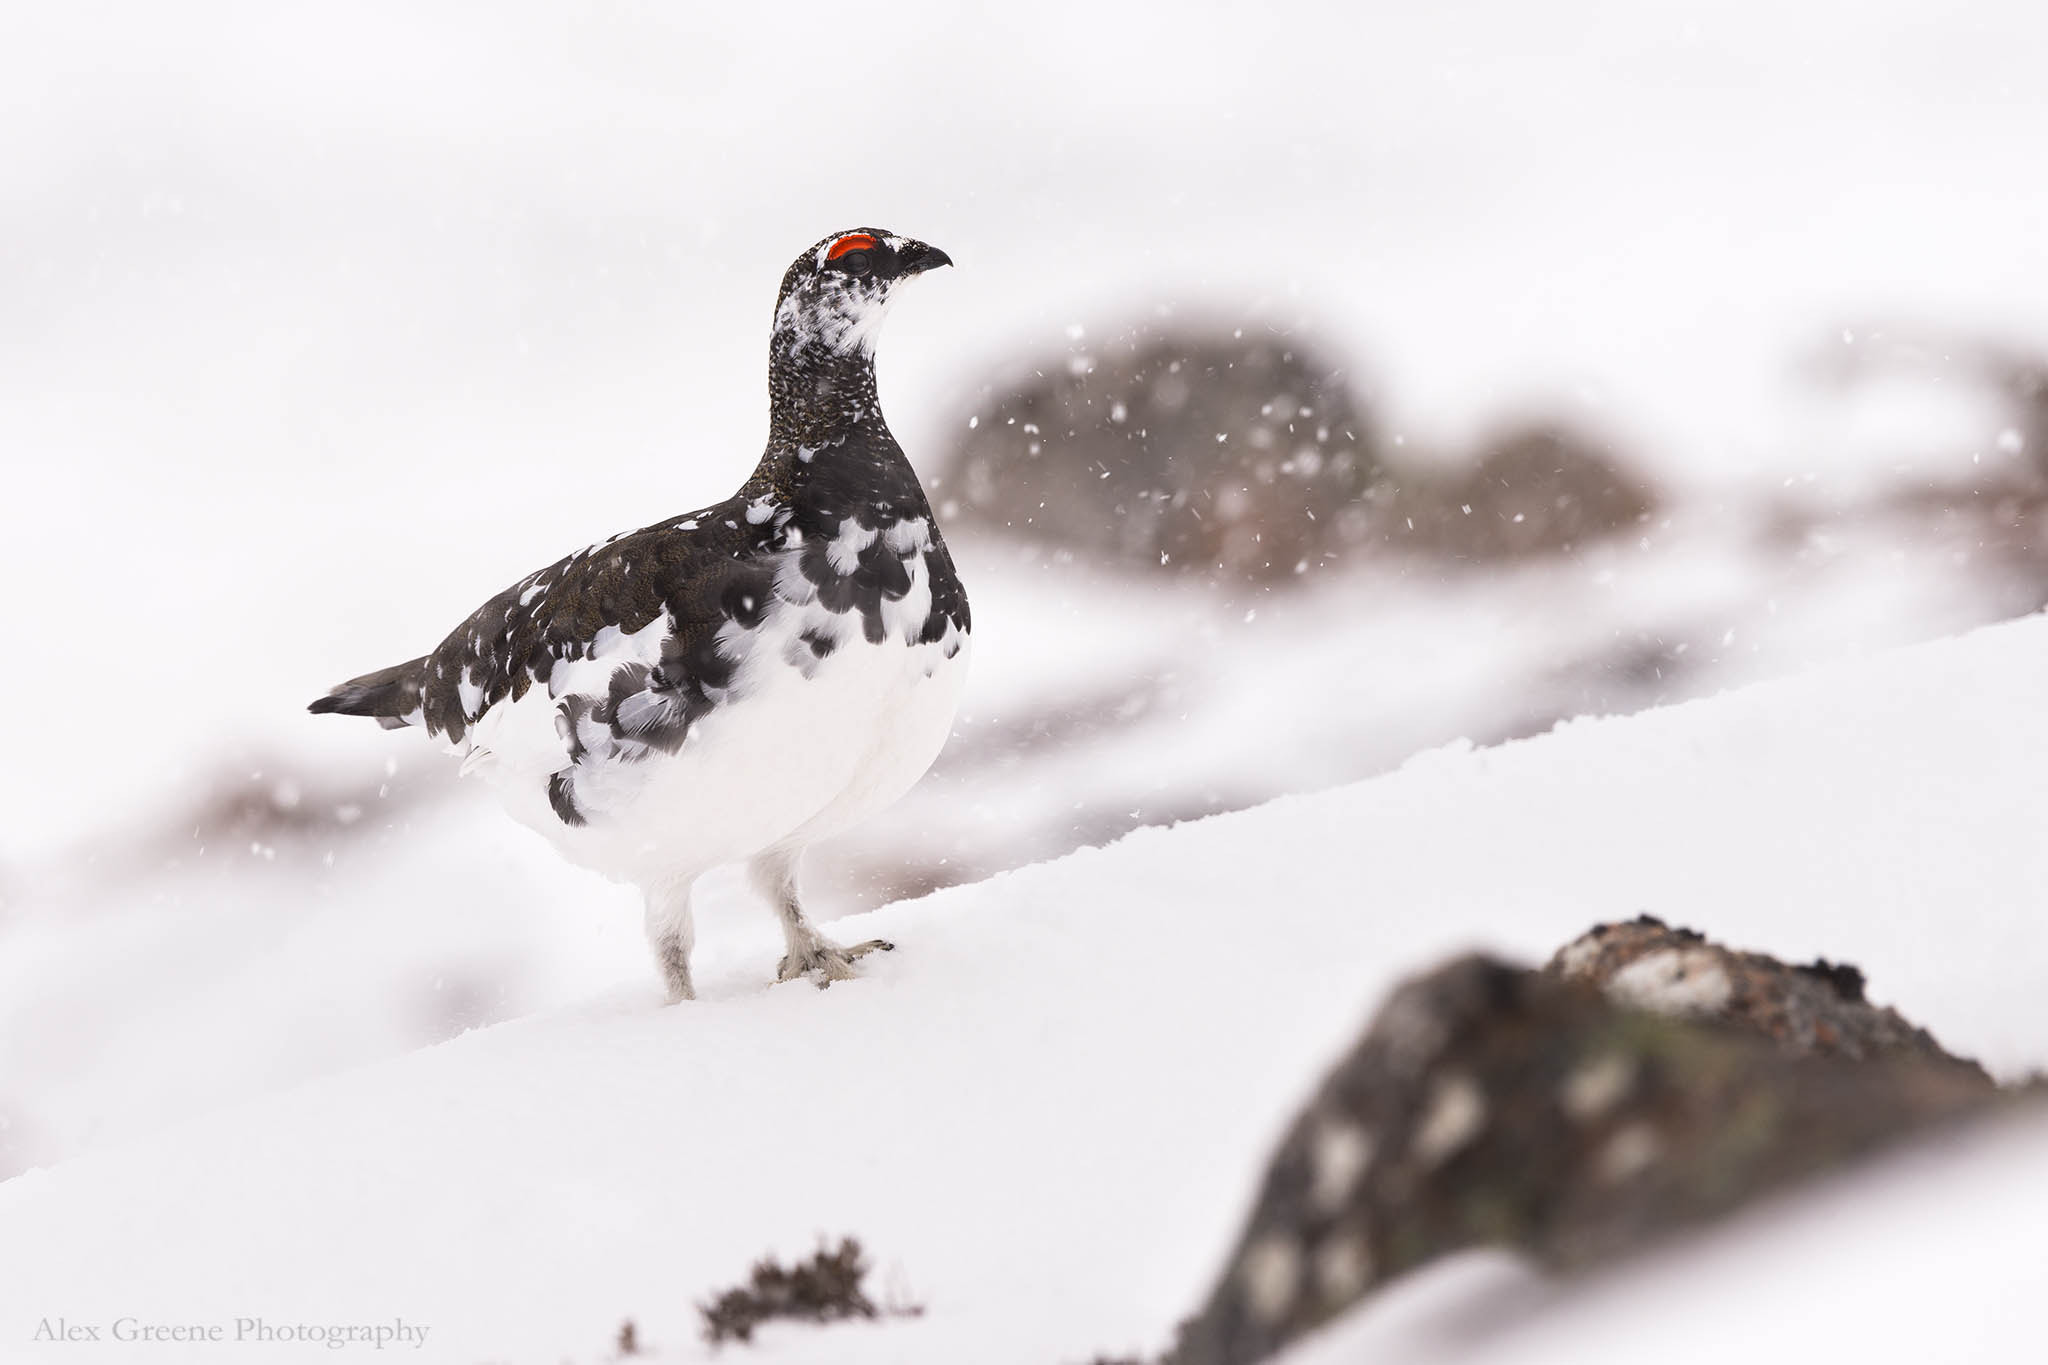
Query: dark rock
1242, 458
1846, 981
1489, 1104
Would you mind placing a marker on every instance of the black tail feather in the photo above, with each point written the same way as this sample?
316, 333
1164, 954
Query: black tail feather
389, 694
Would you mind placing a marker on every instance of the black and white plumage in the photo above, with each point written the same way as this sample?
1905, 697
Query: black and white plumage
737, 682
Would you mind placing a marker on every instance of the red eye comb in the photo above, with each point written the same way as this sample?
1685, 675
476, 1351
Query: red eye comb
853, 241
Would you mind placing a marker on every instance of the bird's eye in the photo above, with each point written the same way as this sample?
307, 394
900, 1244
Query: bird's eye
851, 253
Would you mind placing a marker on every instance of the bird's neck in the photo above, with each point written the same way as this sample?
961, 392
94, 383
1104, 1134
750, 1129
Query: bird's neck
830, 454
821, 398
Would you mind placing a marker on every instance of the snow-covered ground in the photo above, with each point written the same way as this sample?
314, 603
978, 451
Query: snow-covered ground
1045, 1112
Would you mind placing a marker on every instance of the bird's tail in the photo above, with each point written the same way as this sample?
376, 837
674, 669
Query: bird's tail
391, 694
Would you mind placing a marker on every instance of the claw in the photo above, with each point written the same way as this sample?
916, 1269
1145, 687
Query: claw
828, 961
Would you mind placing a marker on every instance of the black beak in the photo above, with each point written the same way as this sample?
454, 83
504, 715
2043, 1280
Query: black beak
914, 258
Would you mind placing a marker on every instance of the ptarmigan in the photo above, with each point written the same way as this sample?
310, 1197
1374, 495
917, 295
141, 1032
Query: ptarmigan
737, 682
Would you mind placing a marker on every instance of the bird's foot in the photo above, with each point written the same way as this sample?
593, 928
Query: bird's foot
825, 961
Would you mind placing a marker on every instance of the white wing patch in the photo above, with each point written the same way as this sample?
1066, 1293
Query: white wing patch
524, 739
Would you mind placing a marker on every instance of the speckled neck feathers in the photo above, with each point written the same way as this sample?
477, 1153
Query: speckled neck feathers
822, 402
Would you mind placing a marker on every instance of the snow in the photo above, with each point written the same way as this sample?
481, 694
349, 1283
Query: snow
1045, 1113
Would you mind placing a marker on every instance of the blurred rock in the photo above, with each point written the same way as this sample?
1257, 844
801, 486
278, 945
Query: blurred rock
1991, 526
1549, 1112
1991, 517
1252, 460
1205, 452
1997, 521
1536, 489
265, 807
2021, 379
2014, 375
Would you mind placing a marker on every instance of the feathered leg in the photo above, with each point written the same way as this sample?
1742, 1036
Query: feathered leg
810, 953
670, 932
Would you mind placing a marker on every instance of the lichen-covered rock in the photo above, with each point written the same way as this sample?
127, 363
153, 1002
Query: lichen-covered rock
1241, 458
1489, 1104
1816, 1009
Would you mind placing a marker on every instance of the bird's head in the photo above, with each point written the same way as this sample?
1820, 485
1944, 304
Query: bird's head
834, 296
